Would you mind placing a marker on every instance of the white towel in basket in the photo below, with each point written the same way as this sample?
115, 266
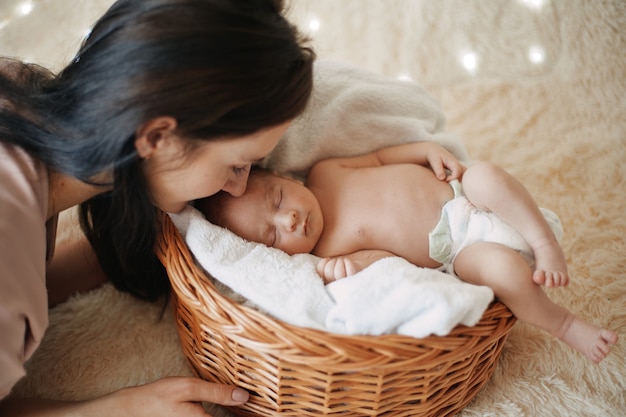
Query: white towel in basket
390, 296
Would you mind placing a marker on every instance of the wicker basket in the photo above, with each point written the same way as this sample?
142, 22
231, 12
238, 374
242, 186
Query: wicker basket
295, 371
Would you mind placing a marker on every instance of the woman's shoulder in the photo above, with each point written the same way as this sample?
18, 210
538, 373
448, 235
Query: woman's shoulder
23, 207
23, 179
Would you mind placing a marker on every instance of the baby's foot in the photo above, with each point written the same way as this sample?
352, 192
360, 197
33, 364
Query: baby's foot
550, 264
594, 342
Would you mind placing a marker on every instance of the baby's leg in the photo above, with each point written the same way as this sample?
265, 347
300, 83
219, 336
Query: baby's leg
505, 271
491, 188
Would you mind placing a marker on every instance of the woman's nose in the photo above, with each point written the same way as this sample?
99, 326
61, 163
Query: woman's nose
288, 220
236, 184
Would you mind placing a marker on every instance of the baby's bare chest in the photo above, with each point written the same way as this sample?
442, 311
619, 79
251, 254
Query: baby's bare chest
390, 208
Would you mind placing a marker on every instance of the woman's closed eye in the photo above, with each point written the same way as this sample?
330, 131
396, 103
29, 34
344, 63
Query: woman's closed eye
240, 170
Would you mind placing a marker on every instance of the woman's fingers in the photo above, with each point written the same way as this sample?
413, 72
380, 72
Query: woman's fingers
166, 397
182, 396
194, 390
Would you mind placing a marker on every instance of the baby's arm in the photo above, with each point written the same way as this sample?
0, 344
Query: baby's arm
337, 267
428, 154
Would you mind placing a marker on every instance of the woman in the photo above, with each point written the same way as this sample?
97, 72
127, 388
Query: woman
166, 101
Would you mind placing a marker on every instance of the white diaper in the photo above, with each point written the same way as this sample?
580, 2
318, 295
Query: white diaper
462, 224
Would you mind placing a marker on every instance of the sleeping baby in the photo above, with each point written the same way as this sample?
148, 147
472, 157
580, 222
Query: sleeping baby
418, 202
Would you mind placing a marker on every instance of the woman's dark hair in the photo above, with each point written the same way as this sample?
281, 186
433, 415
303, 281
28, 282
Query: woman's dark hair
221, 68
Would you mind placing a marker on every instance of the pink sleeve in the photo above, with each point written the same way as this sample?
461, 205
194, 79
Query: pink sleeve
23, 297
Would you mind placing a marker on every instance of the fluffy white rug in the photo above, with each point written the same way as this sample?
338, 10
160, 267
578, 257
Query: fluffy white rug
537, 86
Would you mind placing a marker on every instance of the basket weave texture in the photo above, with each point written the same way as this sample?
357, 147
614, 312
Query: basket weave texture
296, 371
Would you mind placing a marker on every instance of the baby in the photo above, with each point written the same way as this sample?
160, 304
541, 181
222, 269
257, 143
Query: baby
418, 202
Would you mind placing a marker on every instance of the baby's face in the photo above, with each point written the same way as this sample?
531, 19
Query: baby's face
277, 211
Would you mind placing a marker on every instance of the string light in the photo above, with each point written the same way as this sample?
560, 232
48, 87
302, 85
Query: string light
22, 9
314, 24
533, 4
536, 54
470, 62
468, 59
25, 8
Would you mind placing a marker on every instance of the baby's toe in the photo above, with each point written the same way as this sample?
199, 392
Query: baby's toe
539, 277
599, 354
609, 336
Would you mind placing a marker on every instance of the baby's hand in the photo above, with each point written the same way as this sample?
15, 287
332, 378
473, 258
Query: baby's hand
338, 267
441, 160
332, 269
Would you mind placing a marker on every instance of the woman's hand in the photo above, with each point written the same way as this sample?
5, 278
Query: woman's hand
338, 267
174, 396
167, 397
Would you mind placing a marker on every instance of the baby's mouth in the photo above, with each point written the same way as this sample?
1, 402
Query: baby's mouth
305, 225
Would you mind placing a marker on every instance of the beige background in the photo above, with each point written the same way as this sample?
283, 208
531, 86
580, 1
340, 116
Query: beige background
537, 86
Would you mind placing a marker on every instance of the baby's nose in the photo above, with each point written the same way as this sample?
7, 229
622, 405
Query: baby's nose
288, 220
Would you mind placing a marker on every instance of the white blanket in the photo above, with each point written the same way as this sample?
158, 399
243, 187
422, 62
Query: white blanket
390, 296
351, 112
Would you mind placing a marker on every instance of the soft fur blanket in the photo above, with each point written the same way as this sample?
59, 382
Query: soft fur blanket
544, 97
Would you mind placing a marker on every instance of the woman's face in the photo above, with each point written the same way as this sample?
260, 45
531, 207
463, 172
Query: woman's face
176, 176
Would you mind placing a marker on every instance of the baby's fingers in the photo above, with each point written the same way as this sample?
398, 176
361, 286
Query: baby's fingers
350, 268
325, 268
332, 269
456, 171
438, 168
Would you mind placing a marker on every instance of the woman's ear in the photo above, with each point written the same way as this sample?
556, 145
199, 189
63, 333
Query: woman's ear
150, 135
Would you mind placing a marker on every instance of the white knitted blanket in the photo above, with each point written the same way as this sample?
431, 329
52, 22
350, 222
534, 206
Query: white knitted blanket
353, 111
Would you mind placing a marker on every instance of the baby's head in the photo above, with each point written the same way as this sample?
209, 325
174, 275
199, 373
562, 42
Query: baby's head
277, 211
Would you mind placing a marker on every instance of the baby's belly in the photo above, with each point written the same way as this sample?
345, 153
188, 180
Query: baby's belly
410, 241
404, 213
